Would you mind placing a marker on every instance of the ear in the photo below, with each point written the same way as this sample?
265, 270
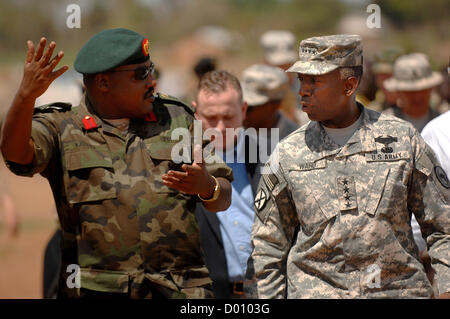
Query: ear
350, 86
102, 82
195, 105
244, 110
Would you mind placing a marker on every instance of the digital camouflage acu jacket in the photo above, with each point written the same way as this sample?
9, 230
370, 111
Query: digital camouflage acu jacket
334, 222
123, 227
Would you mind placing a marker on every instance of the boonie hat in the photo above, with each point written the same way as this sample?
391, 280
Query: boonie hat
412, 72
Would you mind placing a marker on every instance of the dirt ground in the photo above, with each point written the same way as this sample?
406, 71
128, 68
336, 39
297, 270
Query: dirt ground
21, 258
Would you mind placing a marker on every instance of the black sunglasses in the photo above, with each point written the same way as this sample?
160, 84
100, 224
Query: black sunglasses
141, 73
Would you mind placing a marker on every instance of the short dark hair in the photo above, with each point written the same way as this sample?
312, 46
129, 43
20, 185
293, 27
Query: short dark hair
349, 71
218, 81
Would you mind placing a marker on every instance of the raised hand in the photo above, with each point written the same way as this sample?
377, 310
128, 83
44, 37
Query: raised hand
39, 69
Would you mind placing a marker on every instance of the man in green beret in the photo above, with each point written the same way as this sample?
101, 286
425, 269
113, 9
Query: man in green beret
125, 206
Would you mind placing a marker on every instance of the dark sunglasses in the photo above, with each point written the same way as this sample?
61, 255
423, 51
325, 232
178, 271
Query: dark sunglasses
141, 73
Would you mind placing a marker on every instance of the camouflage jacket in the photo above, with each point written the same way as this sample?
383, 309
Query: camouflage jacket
334, 222
120, 223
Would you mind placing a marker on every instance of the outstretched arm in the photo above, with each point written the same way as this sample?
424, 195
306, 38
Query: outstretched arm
16, 144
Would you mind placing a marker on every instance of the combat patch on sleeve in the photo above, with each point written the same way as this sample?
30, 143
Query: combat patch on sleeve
260, 199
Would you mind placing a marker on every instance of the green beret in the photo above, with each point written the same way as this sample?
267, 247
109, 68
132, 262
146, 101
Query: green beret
112, 48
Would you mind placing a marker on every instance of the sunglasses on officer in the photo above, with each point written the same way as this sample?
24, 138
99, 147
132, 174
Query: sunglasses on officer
140, 73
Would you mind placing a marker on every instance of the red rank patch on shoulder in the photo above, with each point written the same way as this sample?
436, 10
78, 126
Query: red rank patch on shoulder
89, 123
145, 47
151, 117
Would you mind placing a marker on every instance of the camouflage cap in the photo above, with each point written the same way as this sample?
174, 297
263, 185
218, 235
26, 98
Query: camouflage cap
412, 72
321, 55
279, 47
262, 83
112, 48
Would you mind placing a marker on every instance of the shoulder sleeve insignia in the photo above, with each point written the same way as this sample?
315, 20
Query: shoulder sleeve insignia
442, 177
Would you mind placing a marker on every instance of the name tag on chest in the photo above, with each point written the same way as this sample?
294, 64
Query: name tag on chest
387, 157
312, 165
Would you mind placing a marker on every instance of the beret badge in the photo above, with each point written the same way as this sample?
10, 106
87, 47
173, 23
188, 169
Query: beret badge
145, 47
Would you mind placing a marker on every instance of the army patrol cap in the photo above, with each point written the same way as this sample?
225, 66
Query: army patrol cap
112, 48
262, 83
321, 55
412, 72
279, 47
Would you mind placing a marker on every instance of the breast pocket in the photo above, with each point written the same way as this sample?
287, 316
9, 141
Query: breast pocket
160, 153
314, 197
385, 185
90, 175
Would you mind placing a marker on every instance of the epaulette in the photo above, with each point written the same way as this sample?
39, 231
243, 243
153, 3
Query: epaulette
173, 100
53, 107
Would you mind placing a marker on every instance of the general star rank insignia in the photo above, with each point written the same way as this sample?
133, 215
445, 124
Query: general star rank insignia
386, 140
347, 193
260, 199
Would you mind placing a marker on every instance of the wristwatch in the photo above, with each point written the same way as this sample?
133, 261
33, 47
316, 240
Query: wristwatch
215, 194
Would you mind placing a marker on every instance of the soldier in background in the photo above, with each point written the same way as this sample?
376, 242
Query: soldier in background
413, 82
264, 88
279, 49
125, 206
382, 68
333, 213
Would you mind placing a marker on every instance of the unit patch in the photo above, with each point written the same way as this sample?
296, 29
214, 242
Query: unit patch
260, 199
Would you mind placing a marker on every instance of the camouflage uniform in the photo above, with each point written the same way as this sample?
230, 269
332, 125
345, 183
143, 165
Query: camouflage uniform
352, 205
334, 222
127, 231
